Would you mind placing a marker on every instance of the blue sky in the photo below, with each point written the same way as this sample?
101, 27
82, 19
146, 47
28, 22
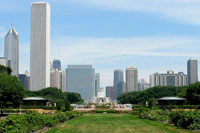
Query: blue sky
152, 35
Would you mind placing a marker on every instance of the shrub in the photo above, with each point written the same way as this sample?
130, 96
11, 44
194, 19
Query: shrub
32, 121
186, 119
154, 114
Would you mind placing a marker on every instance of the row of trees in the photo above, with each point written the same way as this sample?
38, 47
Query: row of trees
191, 93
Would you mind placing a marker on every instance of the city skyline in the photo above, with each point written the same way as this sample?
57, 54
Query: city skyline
113, 44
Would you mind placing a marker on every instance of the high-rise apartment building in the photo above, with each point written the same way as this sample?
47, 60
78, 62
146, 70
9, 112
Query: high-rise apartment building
57, 65
118, 83
131, 79
168, 79
97, 83
11, 50
110, 92
40, 45
81, 79
192, 71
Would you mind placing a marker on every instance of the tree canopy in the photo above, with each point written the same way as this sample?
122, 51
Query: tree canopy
54, 94
5, 70
193, 93
74, 97
140, 97
11, 91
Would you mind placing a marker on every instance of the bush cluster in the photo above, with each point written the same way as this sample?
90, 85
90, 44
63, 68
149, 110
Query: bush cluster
186, 119
182, 119
154, 114
33, 121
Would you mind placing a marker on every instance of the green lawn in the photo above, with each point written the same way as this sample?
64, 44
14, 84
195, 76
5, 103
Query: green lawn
113, 123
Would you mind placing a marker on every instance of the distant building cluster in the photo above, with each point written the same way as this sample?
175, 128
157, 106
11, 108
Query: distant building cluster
168, 79
81, 79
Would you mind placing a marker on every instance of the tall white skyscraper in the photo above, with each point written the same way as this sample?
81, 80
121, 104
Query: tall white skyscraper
40, 45
11, 50
131, 79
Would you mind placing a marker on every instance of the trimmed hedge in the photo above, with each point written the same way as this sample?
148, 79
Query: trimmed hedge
33, 121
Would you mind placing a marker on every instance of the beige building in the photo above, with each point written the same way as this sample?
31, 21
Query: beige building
131, 79
58, 79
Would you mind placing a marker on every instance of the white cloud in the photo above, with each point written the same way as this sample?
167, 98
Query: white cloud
184, 10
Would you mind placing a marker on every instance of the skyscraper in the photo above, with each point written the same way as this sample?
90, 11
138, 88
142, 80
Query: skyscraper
97, 83
58, 79
118, 83
192, 71
57, 65
11, 50
131, 79
143, 85
81, 79
40, 45
25, 80
110, 92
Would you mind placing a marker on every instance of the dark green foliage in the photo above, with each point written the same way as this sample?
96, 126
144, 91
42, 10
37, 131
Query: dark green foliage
193, 94
186, 119
141, 97
11, 91
33, 121
5, 70
54, 94
74, 97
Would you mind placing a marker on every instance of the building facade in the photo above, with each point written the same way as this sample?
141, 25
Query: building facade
131, 79
192, 71
118, 83
143, 85
81, 79
110, 92
3, 61
58, 79
40, 46
25, 80
57, 65
97, 83
168, 79
11, 50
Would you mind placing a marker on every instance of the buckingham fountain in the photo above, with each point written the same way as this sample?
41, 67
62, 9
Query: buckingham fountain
102, 101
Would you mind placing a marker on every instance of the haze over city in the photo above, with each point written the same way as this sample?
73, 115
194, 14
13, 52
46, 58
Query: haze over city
153, 36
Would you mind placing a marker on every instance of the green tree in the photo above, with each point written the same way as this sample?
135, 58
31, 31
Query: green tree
54, 94
141, 97
11, 91
5, 70
193, 93
74, 97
